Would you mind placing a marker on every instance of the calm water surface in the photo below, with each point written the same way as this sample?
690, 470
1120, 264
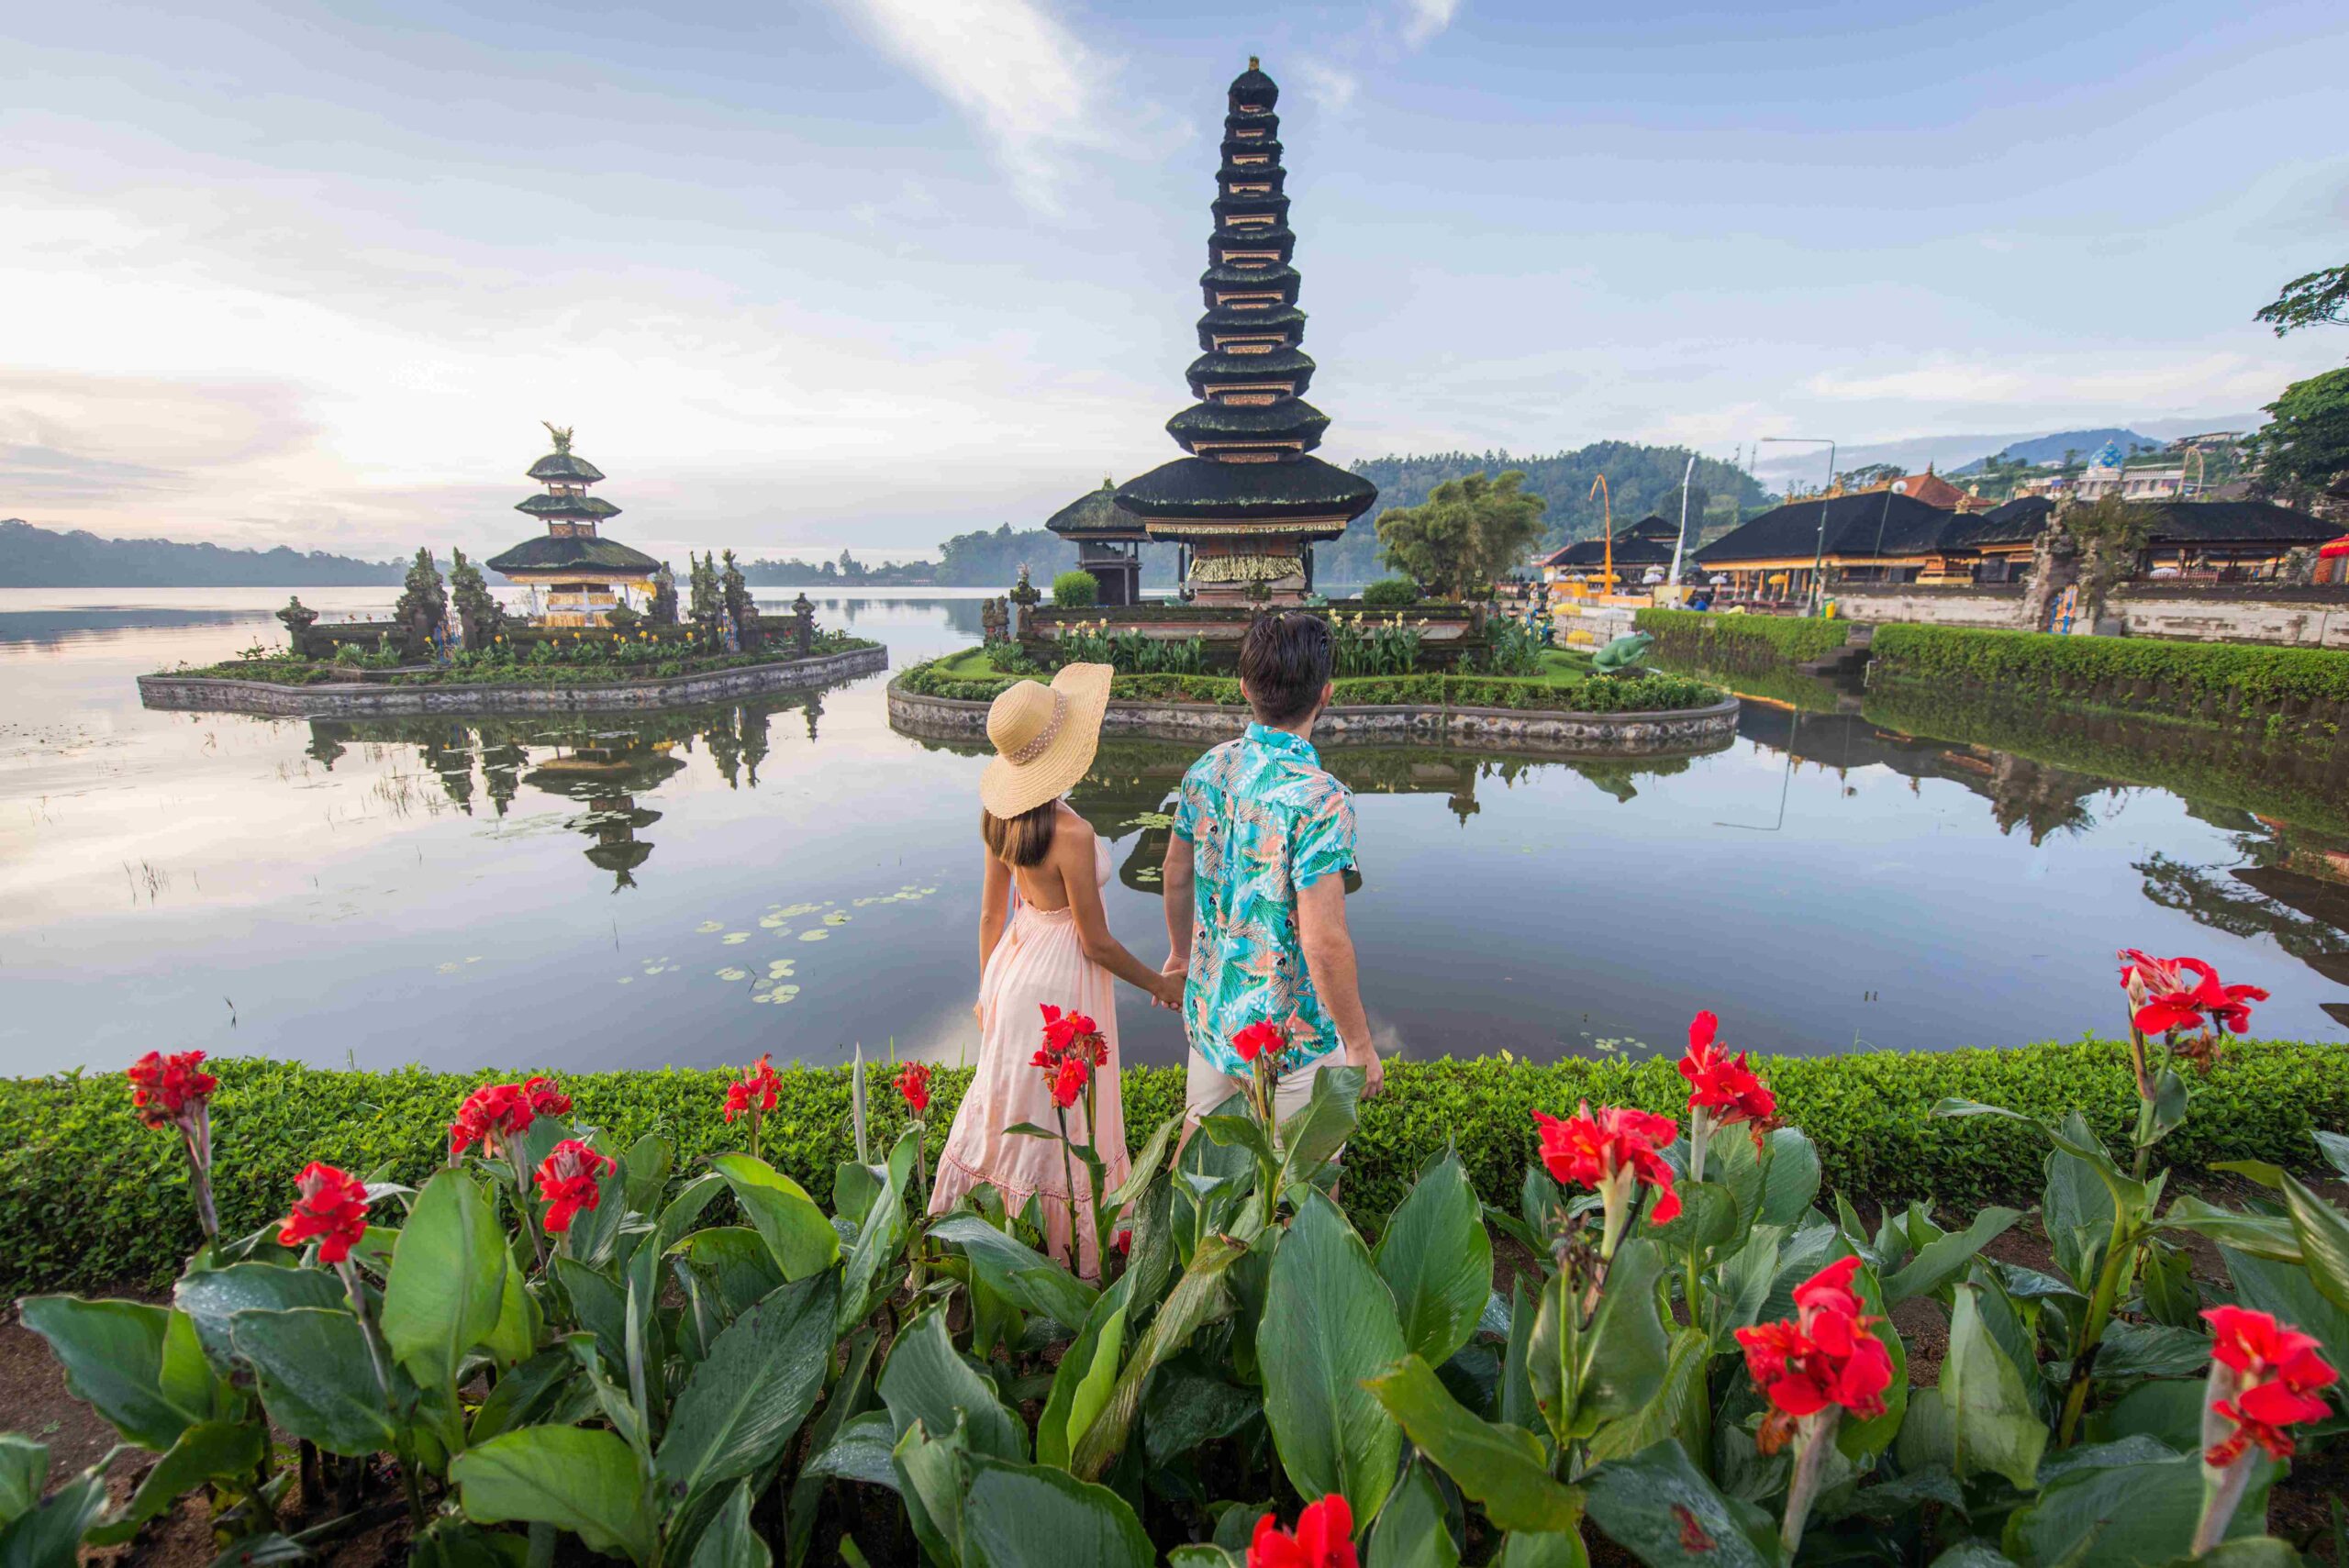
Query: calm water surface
793, 877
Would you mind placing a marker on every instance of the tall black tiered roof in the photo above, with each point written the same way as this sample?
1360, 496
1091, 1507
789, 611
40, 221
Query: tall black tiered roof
1251, 434
570, 543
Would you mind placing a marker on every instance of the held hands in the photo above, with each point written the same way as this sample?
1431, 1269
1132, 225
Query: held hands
1166, 991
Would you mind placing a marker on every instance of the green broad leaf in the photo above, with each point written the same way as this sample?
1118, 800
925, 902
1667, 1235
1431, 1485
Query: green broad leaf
1662, 1509
2335, 1147
114, 1353
1516, 1406
317, 1376
648, 1163
1436, 1257
50, 1535
2109, 1517
600, 1305
732, 1264
1584, 1377
676, 1220
1503, 1467
859, 1451
24, 1473
854, 1187
786, 1218
448, 1280
208, 1451
520, 1393
1995, 1427
2132, 1350
514, 1337
2291, 1295
1147, 1165
594, 1231
1187, 1409
1411, 1532
445, 1543
2261, 1235
612, 1399
1240, 1132
1520, 1549
1311, 1138
1200, 1293
747, 1396
580, 1479
2169, 1414
1945, 1258
728, 1541
1681, 1410
1205, 1556
1022, 1514
211, 1296
1743, 1285
2247, 1552
927, 1382
1707, 1220
1329, 1323
2323, 1231
880, 1242
1973, 1552
1016, 1272
1081, 1383
844, 1405
934, 1478
2166, 1278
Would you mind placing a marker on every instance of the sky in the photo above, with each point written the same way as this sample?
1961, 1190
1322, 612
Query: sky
817, 274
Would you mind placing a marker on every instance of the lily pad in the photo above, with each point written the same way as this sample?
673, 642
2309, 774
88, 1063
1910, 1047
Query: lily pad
793, 911
708, 926
733, 974
817, 935
781, 968
839, 918
734, 939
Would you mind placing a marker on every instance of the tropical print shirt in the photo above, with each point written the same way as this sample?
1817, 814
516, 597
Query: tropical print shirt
1264, 819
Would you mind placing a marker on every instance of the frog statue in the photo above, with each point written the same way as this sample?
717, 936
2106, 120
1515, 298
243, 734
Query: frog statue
1622, 656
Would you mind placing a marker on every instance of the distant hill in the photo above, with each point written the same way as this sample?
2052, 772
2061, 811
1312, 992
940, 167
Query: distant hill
39, 558
2041, 450
1640, 479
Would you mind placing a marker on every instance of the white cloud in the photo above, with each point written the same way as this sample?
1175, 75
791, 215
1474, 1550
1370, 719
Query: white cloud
1332, 89
1424, 19
1030, 85
2082, 379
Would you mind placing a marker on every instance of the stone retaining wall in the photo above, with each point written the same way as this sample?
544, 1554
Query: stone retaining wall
1533, 730
2183, 612
357, 700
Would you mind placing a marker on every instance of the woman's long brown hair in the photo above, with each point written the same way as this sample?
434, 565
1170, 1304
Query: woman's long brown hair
1021, 840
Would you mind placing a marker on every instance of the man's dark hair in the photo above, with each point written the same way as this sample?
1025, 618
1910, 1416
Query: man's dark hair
1284, 662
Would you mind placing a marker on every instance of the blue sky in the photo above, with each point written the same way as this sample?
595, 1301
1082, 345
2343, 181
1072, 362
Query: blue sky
864, 273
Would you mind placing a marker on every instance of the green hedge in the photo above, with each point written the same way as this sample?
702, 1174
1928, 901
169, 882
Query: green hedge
578, 672
1644, 693
89, 1199
2182, 675
1697, 634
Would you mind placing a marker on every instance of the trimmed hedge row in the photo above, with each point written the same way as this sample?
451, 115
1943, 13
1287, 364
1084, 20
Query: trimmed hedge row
1645, 693
2127, 670
89, 1199
1702, 635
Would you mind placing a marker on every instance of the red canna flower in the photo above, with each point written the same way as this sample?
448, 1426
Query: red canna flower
1068, 1077
569, 1181
490, 1115
2270, 1380
1722, 1085
546, 1097
1123, 1241
1259, 1039
1323, 1538
331, 1210
1609, 1153
756, 1089
167, 1089
913, 1084
1824, 1356
2181, 993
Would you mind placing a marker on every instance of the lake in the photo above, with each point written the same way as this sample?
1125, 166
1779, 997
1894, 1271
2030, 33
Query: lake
792, 876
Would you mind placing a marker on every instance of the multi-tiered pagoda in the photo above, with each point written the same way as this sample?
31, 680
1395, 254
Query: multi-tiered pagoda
1248, 504
582, 575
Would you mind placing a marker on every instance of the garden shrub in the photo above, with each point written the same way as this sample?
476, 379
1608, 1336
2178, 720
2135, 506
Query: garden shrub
89, 1197
1390, 594
1730, 641
2182, 678
1075, 590
1647, 694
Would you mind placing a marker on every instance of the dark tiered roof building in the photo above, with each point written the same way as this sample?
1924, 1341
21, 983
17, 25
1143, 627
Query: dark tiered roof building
1108, 543
1248, 504
1648, 543
581, 575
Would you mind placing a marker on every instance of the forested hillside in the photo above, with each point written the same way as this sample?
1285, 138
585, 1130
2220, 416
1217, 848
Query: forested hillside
39, 558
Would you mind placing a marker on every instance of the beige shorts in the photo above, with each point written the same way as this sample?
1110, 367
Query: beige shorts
1206, 1086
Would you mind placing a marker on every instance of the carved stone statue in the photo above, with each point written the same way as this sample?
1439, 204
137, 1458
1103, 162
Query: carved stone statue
298, 619
664, 608
803, 634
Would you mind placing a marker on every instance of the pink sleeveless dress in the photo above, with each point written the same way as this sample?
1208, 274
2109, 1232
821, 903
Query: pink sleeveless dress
1037, 961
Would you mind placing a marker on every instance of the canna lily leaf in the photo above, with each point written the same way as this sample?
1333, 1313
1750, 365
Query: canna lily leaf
1436, 1257
1329, 1323
1503, 1467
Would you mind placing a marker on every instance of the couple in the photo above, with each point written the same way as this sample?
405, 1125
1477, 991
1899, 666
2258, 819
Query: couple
1255, 919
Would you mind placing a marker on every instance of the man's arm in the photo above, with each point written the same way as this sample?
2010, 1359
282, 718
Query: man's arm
1175, 874
1329, 950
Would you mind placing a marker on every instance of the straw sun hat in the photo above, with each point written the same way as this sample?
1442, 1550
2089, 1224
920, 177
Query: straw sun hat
1045, 737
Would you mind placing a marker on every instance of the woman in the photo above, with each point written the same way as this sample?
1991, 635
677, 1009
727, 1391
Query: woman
1042, 943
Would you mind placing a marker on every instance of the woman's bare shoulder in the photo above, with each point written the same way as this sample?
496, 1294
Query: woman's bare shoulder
1070, 830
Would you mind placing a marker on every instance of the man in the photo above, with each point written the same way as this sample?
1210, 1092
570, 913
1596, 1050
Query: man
1255, 904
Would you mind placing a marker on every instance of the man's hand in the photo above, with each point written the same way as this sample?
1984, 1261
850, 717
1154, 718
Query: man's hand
1373, 1071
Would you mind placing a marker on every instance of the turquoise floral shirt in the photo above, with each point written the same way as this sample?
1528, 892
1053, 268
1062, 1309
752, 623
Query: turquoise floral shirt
1264, 819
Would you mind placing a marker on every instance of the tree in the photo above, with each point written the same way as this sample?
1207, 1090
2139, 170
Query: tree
478, 612
848, 567
702, 584
1470, 531
423, 603
1874, 474
2305, 446
2318, 300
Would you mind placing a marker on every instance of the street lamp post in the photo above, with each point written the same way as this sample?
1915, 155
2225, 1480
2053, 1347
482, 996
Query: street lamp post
1818, 561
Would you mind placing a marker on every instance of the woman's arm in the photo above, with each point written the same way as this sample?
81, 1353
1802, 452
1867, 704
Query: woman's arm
1072, 858
994, 908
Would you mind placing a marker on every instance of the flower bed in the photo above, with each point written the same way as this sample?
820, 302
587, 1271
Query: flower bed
591, 662
1557, 692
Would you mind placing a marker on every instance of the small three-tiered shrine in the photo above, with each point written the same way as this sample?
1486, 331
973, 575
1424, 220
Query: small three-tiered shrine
1248, 504
580, 574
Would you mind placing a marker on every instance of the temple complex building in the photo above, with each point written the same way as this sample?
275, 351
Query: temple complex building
579, 575
1108, 543
1247, 504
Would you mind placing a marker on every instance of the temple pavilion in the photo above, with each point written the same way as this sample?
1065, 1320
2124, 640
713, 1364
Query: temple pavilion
1247, 504
1108, 543
580, 574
